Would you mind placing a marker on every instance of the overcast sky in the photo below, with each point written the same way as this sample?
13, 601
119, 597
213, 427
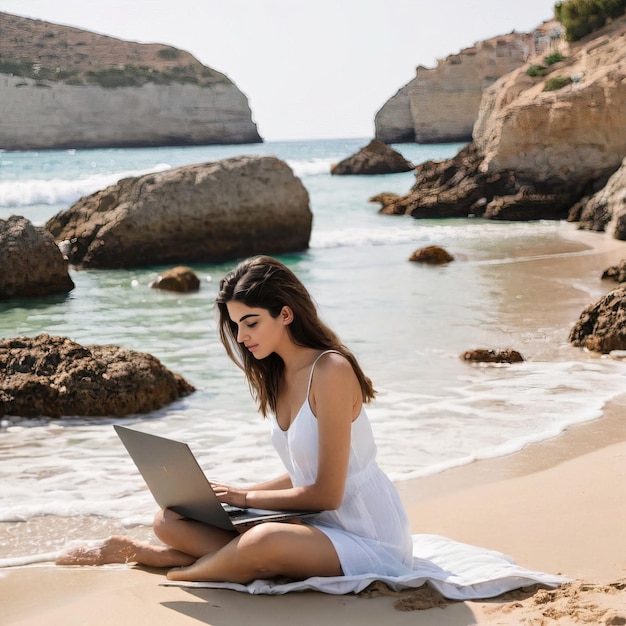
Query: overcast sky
315, 69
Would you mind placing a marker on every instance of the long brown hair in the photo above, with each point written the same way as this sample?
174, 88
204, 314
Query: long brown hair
263, 282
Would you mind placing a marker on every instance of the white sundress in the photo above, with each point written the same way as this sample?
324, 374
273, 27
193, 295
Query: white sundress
370, 530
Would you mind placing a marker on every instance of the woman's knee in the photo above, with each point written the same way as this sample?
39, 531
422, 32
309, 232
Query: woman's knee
261, 546
163, 523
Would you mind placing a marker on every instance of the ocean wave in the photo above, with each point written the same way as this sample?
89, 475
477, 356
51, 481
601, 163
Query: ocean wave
311, 167
37, 191
428, 233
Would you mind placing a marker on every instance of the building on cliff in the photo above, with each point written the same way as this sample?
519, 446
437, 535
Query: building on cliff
63, 87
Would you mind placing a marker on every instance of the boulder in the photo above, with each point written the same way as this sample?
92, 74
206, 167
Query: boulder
182, 279
602, 326
204, 213
432, 255
524, 207
483, 355
47, 376
605, 210
616, 272
375, 158
31, 264
457, 187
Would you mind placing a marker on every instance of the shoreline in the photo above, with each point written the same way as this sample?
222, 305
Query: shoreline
556, 506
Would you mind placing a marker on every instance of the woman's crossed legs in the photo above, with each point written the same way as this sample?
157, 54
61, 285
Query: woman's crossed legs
198, 551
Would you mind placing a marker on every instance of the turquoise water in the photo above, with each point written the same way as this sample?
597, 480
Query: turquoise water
512, 285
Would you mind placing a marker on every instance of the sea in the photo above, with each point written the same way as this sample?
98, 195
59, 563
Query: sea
513, 285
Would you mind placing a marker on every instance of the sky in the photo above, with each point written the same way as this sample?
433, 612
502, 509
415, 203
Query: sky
311, 70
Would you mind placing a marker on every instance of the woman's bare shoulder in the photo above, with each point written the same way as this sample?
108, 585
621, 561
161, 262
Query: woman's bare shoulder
334, 364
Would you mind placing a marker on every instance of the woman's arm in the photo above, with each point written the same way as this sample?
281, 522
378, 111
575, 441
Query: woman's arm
336, 401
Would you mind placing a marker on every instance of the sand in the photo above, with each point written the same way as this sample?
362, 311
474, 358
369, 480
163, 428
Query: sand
557, 506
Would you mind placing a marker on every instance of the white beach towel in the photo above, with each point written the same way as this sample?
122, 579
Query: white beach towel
457, 570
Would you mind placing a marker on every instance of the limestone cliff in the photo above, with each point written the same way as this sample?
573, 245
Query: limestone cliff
441, 104
547, 139
64, 87
567, 123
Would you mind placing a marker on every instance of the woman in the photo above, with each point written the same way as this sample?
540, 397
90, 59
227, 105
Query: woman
313, 391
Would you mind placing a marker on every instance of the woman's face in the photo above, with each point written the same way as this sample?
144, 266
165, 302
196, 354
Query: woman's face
257, 330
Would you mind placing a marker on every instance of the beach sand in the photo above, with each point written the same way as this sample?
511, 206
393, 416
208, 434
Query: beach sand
558, 506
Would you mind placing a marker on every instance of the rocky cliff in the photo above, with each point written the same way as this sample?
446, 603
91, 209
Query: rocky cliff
548, 137
441, 104
64, 87
568, 122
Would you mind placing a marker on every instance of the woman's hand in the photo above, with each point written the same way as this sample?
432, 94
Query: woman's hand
234, 496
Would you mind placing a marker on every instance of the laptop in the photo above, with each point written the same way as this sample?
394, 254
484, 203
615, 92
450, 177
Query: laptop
177, 482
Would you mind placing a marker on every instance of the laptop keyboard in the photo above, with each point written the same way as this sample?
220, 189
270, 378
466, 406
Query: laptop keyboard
234, 511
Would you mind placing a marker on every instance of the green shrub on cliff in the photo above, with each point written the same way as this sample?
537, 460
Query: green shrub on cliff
553, 58
557, 82
581, 17
536, 70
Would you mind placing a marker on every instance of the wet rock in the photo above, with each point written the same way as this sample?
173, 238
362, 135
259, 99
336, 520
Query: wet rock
482, 355
31, 264
602, 326
375, 158
182, 279
47, 376
433, 255
616, 272
203, 213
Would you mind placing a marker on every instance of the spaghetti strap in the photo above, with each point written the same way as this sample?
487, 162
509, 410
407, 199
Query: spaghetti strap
308, 389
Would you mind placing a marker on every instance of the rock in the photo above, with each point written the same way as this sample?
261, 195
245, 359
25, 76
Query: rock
457, 187
616, 272
525, 207
535, 154
387, 201
63, 87
375, 158
575, 134
180, 278
432, 255
606, 209
602, 326
441, 104
31, 264
210, 212
492, 356
55, 377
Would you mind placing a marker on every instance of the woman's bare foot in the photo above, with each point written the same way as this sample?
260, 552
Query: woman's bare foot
116, 549
123, 549
195, 571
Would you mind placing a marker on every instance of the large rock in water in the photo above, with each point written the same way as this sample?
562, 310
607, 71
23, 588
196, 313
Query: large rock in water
31, 264
375, 158
64, 87
55, 377
602, 326
210, 212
